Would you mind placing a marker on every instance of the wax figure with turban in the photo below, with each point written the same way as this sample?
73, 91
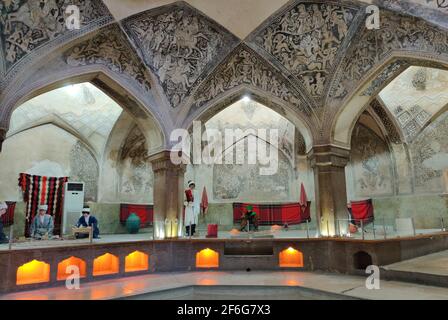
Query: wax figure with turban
192, 208
87, 220
42, 225
250, 217
3, 208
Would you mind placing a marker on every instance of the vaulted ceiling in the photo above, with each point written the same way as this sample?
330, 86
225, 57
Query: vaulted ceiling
181, 57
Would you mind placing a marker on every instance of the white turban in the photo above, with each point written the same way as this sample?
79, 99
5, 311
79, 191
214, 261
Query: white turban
43, 207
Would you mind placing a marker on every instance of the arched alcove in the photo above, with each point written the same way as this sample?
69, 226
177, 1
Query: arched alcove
361, 260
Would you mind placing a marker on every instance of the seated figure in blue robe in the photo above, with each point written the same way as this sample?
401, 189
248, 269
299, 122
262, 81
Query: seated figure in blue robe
87, 220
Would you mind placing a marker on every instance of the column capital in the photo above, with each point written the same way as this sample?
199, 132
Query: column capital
163, 161
2, 137
329, 156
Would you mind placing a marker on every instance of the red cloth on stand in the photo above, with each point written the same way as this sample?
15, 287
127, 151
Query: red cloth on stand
303, 196
8, 217
362, 211
212, 231
145, 213
271, 214
204, 201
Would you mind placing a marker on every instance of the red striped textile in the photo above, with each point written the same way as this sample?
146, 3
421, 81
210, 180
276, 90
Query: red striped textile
271, 214
8, 218
39, 190
145, 213
362, 211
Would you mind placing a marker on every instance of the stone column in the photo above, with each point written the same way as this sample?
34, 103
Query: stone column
329, 163
2, 137
168, 195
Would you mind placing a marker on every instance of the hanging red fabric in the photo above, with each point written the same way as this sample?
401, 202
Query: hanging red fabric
204, 201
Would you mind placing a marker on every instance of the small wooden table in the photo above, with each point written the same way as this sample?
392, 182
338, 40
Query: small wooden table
84, 230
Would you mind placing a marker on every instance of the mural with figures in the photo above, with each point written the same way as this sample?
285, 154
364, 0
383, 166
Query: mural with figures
306, 40
136, 176
27, 25
371, 164
430, 157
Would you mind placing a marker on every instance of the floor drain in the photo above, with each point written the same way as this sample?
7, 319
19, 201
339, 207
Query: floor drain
248, 270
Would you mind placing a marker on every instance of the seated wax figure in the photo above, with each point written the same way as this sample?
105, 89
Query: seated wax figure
42, 224
251, 218
3, 237
87, 220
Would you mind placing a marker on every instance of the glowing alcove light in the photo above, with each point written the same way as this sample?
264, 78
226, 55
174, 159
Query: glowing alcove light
291, 258
33, 272
105, 264
136, 261
72, 261
207, 258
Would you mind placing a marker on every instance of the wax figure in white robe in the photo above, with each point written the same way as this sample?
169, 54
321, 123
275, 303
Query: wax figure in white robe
192, 208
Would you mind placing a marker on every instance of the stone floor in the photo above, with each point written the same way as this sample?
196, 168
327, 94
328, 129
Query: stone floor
350, 286
291, 234
435, 263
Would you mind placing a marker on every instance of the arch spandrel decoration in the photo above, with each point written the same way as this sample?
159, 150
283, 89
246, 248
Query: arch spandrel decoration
110, 48
25, 19
375, 51
307, 39
179, 44
246, 68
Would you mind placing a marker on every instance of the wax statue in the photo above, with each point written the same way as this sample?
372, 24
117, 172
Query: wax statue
250, 217
87, 220
192, 208
352, 223
42, 225
3, 237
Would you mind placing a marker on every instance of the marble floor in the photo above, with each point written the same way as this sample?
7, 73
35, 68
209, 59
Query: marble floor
349, 286
435, 263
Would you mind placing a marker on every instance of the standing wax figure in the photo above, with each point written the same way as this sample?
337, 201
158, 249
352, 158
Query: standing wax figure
88, 220
3, 237
192, 208
250, 217
42, 224
352, 224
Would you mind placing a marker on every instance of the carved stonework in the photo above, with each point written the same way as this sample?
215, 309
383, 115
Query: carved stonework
429, 155
110, 48
419, 80
29, 24
397, 33
412, 120
392, 132
246, 68
306, 40
178, 46
384, 77
2, 137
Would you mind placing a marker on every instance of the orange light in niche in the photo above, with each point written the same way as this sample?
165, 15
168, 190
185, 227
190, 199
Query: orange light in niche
72, 261
291, 258
136, 261
207, 258
105, 264
33, 272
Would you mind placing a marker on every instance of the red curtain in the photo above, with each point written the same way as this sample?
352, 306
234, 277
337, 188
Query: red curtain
145, 213
8, 218
39, 190
362, 211
271, 214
